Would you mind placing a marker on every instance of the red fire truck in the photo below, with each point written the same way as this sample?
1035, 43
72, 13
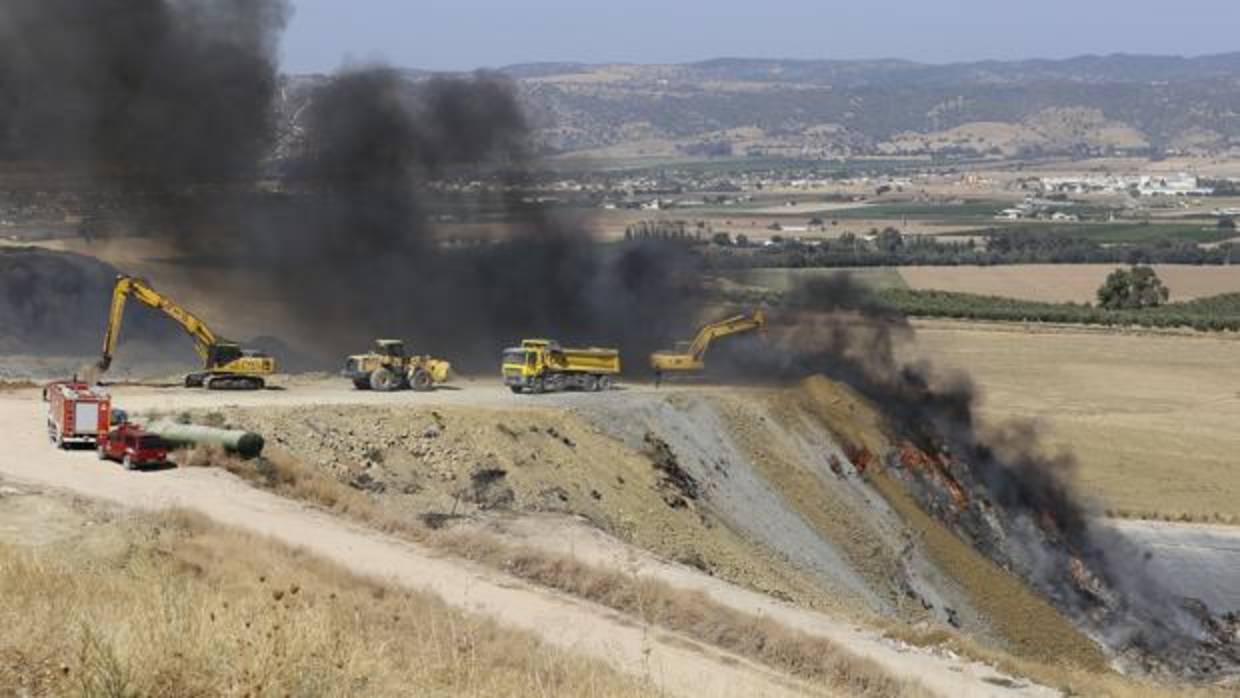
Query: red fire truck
76, 414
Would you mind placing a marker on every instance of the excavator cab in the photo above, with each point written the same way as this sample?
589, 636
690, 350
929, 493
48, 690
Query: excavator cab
222, 353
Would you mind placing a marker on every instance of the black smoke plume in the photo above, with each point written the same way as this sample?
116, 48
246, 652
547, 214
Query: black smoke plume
165, 92
355, 234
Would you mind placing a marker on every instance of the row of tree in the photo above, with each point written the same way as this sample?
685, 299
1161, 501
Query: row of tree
890, 248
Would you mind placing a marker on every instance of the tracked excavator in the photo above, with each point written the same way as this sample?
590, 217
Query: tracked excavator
225, 365
689, 358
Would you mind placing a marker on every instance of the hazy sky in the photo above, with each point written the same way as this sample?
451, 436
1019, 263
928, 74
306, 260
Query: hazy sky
466, 34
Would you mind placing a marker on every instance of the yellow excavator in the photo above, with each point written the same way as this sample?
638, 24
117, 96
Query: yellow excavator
226, 366
690, 357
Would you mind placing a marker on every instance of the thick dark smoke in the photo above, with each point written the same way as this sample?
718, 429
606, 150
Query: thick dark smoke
171, 103
357, 237
165, 91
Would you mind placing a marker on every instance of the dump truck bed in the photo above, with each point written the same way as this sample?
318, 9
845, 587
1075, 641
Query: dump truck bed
590, 360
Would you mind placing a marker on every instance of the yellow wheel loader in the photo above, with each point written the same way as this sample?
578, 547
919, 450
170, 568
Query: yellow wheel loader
389, 368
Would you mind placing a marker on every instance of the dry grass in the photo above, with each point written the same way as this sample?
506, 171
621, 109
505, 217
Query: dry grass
14, 385
690, 612
1150, 416
654, 602
178, 606
1070, 680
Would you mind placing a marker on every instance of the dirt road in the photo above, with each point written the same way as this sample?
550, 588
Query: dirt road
675, 664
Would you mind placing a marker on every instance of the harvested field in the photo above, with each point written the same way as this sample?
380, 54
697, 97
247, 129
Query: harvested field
1063, 283
1150, 416
781, 280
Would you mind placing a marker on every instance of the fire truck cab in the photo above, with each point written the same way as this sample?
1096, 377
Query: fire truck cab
76, 414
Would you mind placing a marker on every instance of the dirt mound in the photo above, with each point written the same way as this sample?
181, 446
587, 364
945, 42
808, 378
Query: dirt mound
57, 303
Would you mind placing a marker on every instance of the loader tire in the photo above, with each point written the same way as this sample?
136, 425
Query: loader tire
516, 389
361, 383
421, 380
384, 380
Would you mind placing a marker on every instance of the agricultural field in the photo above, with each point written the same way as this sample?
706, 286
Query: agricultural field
782, 280
1149, 416
972, 211
1065, 283
1200, 231
1046, 283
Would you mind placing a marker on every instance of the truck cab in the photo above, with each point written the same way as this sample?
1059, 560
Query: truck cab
129, 445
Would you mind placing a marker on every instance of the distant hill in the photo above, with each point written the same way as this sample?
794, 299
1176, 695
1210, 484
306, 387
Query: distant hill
1089, 105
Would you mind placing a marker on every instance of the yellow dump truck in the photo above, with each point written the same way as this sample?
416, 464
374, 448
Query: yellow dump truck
542, 365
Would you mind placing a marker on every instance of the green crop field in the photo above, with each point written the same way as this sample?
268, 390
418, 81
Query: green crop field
964, 212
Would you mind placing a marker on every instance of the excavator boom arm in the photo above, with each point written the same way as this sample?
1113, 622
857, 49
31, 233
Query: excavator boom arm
723, 328
130, 287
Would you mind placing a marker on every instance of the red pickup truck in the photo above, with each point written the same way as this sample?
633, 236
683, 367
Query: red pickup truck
132, 447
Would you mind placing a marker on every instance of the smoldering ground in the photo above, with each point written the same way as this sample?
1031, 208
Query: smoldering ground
1045, 531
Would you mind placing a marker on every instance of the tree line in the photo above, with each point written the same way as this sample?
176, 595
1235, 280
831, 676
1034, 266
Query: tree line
889, 247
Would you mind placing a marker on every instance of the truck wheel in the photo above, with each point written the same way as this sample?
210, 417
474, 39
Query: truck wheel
103, 455
538, 386
592, 384
421, 380
516, 389
605, 383
127, 462
384, 380
361, 383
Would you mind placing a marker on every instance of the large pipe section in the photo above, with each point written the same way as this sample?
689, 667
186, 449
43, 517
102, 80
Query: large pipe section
246, 444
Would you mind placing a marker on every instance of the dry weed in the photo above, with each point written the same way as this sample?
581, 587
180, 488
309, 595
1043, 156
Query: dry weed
191, 609
657, 603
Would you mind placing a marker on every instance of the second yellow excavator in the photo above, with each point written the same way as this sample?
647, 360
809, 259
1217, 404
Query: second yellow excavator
226, 366
690, 357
